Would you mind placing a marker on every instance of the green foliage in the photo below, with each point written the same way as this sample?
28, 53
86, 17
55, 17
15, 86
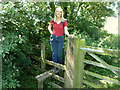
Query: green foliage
111, 42
32, 84
16, 47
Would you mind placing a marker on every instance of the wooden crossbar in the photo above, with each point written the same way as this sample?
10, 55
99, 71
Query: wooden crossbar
92, 50
101, 65
104, 63
55, 85
55, 64
45, 75
92, 84
101, 77
61, 79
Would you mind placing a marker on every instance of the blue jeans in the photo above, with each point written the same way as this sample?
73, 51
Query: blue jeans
57, 43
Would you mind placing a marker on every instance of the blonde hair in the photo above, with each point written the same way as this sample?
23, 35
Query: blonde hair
62, 18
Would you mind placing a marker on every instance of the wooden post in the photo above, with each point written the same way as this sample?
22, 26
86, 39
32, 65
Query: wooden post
79, 63
40, 84
0, 57
43, 56
68, 78
74, 63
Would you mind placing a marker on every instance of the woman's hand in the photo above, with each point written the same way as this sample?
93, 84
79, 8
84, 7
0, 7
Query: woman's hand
49, 28
51, 32
71, 36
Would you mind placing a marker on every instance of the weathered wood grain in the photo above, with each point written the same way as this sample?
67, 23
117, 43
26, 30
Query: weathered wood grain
55, 85
102, 77
61, 79
43, 56
104, 63
63, 67
110, 52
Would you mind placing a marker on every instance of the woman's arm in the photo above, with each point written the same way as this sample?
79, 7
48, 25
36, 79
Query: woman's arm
66, 31
49, 28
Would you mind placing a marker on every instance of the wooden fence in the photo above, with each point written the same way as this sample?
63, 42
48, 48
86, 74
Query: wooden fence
74, 65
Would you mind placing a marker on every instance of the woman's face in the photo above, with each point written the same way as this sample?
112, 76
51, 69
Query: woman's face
59, 12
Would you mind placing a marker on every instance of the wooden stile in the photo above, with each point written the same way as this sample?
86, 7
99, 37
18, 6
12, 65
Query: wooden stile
74, 65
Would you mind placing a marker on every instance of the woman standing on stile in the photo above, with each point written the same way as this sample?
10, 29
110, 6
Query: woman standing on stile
57, 35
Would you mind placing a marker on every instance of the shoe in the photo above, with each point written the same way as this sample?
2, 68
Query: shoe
59, 69
54, 68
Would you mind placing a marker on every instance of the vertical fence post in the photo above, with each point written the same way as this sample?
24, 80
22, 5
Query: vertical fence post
74, 63
43, 56
0, 57
40, 84
78, 63
67, 77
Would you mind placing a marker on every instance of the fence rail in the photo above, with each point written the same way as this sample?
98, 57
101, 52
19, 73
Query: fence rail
110, 67
102, 77
110, 52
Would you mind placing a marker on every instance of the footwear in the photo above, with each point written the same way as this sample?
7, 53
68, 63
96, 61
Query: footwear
59, 69
54, 68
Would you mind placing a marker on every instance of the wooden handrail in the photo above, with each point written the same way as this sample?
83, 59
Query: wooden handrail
92, 50
110, 52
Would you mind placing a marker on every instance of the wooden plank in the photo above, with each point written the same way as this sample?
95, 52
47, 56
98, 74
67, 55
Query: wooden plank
43, 56
104, 63
111, 52
61, 79
45, 75
55, 85
97, 58
100, 65
63, 67
40, 84
94, 63
102, 77
92, 50
92, 84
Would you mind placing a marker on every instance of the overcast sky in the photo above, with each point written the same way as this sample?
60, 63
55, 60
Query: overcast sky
112, 25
